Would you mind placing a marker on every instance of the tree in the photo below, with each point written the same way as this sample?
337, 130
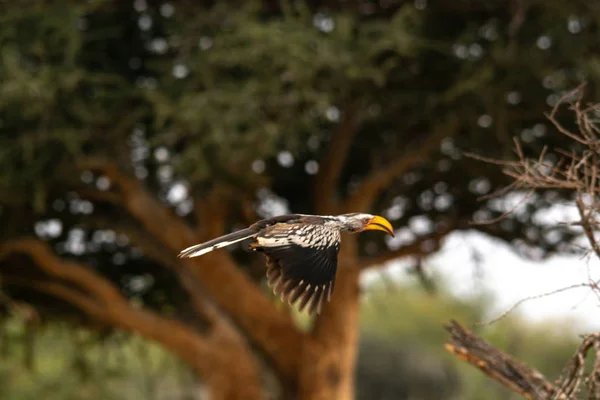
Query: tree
133, 130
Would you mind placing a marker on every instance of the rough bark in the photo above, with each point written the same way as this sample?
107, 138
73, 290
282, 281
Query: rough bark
523, 379
512, 373
329, 355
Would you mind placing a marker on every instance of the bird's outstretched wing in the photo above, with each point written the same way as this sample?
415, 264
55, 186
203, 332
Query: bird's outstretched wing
301, 262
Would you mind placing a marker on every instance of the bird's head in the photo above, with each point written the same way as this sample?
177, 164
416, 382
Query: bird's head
358, 222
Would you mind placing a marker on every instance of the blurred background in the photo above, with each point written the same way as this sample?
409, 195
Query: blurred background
130, 130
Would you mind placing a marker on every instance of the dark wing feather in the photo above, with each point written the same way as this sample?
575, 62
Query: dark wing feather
302, 273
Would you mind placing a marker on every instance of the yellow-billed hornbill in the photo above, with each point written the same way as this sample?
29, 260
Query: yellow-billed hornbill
301, 251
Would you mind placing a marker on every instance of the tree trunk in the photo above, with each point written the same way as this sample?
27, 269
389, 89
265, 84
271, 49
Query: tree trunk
220, 358
236, 376
329, 355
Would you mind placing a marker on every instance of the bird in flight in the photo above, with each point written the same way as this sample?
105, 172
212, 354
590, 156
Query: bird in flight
301, 252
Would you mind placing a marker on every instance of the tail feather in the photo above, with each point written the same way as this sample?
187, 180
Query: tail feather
222, 241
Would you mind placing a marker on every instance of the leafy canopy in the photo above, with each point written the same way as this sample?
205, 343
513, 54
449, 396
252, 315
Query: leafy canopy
187, 96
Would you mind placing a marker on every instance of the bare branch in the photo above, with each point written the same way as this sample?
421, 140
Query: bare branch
332, 163
568, 98
499, 366
505, 214
539, 296
574, 372
577, 171
522, 379
594, 376
589, 224
366, 193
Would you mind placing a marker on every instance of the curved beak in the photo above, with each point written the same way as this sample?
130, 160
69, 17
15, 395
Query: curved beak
380, 224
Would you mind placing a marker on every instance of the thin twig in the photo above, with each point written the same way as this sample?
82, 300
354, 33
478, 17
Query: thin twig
539, 296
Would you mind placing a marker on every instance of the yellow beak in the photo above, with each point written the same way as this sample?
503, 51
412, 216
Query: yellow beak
380, 224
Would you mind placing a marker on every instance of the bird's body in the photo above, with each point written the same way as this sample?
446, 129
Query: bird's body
301, 252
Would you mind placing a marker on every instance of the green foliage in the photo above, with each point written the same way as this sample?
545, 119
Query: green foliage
226, 88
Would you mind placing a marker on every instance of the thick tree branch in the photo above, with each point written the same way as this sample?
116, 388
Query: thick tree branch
210, 355
331, 351
272, 331
366, 193
500, 366
154, 249
205, 311
46, 260
212, 212
85, 303
156, 218
332, 162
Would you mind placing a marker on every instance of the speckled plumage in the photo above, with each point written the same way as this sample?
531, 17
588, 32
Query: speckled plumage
301, 253
312, 235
